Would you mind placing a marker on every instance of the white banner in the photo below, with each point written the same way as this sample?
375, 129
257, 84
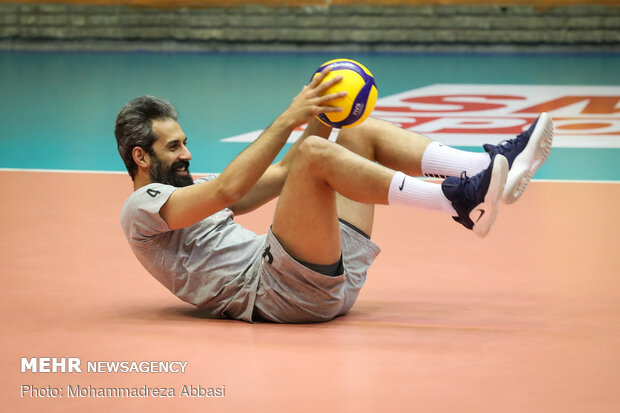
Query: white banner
470, 115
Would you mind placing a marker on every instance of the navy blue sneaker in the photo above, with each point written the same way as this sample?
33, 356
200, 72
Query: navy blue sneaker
476, 199
525, 154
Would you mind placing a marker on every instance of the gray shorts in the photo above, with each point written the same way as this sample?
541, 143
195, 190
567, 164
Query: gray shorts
289, 292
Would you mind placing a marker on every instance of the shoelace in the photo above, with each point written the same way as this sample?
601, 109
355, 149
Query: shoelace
508, 145
470, 195
505, 146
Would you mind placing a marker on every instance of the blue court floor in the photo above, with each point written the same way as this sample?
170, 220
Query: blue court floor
58, 109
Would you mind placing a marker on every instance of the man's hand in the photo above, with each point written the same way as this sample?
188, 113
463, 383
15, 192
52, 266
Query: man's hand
312, 101
192, 203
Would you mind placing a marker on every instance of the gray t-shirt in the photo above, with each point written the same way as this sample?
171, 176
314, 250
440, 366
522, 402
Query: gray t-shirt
211, 264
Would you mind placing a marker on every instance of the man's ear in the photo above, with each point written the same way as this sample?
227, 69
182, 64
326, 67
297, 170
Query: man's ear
140, 157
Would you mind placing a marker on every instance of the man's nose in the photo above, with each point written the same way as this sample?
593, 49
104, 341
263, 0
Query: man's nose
186, 154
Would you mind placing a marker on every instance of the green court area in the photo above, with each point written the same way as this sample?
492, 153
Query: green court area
58, 109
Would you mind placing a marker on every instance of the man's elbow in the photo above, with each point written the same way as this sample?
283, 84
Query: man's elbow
229, 194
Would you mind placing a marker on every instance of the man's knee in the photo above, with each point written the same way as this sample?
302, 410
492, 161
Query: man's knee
346, 137
359, 139
314, 152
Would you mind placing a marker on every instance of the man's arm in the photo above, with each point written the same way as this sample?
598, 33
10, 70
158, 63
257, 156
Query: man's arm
190, 204
270, 184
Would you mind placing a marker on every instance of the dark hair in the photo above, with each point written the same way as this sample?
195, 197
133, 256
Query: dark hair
134, 126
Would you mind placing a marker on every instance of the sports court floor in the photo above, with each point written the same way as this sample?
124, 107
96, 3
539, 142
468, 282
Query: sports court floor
526, 320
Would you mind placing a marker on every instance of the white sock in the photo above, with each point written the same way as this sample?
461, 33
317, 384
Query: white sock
440, 161
409, 191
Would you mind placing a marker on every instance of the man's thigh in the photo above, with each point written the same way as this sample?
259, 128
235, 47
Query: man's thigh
306, 217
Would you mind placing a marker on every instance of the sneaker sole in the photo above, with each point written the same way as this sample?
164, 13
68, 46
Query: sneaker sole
527, 163
484, 214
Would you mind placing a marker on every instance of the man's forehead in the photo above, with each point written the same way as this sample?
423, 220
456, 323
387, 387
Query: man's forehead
167, 130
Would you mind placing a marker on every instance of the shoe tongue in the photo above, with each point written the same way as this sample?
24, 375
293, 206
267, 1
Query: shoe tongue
491, 149
454, 188
450, 187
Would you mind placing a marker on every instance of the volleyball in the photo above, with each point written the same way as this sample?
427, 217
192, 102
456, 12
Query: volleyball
361, 93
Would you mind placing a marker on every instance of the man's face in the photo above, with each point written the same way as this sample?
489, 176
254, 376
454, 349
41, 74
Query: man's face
170, 156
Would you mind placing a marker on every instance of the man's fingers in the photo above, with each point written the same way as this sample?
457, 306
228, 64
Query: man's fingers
329, 109
320, 89
311, 97
332, 96
322, 100
316, 80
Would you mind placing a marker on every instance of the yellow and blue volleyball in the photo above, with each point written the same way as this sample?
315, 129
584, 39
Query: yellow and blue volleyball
361, 93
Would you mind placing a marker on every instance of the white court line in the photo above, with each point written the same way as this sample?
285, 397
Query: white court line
64, 171
83, 171
578, 181
77, 171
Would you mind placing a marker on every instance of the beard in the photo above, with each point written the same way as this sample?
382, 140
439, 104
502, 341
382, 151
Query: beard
170, 175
